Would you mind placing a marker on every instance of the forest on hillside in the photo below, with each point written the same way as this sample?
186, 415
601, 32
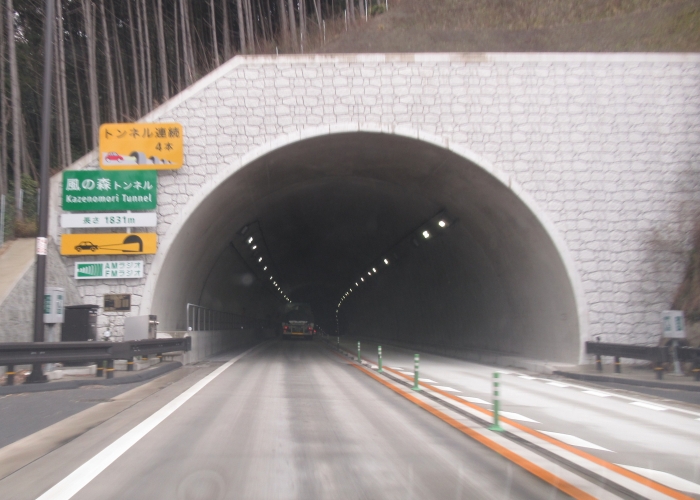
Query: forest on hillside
115, 60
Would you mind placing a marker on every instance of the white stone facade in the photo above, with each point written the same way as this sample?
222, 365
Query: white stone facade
606, 146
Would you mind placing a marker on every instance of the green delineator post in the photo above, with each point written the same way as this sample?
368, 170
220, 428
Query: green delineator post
416, 359
338, 343
496, 404
379, 359
359, 355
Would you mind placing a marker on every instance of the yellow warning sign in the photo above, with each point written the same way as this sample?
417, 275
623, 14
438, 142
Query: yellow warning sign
141, 146
109, 244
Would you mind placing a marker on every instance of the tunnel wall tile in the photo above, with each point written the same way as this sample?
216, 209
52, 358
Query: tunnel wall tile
606, 145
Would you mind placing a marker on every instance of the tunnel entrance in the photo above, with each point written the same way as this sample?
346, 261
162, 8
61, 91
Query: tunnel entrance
326, 208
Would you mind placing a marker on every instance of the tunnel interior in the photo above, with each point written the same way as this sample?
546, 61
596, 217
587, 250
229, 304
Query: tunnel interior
325, 211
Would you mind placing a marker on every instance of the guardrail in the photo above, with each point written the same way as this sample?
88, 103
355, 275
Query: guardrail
24, 353
200, 318
658, 355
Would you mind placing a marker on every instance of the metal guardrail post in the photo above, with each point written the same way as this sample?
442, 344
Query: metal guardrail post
598, 363
659, 370
130, 365
10, 374
110, 369
617, 365
100, 369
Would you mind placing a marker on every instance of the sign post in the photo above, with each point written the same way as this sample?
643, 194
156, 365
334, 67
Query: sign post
674, 328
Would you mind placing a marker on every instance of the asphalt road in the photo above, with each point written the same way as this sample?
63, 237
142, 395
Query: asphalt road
644, 431
290, 420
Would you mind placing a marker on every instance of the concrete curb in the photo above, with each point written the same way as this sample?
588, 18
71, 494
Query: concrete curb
74, 384
628, 381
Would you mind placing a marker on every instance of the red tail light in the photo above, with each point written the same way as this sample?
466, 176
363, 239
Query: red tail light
286, 327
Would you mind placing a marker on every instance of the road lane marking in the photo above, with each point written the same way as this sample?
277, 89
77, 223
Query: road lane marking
79, 478
476, 400
575, 441
666, 479
517, 416
527, 377
600, 394
446, 389
558, 384
663, 489
649, 406
428, 380
529, 466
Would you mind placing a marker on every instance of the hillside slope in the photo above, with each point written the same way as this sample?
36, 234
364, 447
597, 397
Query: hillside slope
526, 26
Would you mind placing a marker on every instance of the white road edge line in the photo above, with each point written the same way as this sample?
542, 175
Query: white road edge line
79, 478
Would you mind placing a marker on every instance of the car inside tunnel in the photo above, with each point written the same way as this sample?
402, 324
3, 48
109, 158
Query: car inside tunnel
384, 236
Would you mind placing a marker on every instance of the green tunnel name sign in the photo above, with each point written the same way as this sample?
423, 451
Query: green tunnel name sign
87, 190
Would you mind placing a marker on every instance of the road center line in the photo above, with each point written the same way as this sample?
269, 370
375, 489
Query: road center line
79, 478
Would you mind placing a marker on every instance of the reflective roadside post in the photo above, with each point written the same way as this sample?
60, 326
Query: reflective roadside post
416, 359
338, 345
379, 359
359, 356
496, 404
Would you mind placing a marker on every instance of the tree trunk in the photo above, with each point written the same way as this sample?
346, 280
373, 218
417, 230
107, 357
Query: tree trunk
178, 69
123, 95
214, 44
149, 69
187, 42
4, 170
293, 25
111, 95
302, 25
142, 61
88, 14
362, 9
241, 26
134, 60
61, 66
284, 26
16, 109
83, 128
317, 8
227, 35
249, 26
163, 55
350, 5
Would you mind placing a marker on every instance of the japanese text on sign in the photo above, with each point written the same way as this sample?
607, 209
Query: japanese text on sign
141, 146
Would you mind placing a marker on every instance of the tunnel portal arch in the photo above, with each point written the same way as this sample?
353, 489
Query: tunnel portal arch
503, 281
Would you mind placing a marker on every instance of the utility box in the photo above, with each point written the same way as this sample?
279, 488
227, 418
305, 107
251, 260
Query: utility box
140, 327
80, 323
53, 304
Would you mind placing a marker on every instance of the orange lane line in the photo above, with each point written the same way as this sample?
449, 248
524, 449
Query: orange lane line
534, 469
604, 463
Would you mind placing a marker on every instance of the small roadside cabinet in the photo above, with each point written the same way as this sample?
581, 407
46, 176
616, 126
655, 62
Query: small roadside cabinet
80, 323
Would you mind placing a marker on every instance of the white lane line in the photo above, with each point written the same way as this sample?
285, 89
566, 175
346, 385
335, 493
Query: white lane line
397, 368
527, 377
476, 400
648, 406
675, 482
558, 384
429, 381
517, 416
446, 389
575, 441
600, 394
79, 478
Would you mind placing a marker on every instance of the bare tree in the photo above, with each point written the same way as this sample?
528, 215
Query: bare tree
134, 60
79, 89
89, 16
162, 54
16, 109
214, 44
241, 25
5, 172
227, 34
284, 26
63, 114
121, 87
107, 42
149, 72
293, 25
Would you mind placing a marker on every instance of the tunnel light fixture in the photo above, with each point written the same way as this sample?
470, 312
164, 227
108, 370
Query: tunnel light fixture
254, 247
356, 284
270, 277
250, 240
374, 270
260, 258
386, 261
265, 268
442, 223
426, 234
362, 279
369, 274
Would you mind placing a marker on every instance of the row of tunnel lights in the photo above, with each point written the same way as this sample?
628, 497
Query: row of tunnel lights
253, 247
425, 234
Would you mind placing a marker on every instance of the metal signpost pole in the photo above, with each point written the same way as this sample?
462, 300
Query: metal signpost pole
37, 374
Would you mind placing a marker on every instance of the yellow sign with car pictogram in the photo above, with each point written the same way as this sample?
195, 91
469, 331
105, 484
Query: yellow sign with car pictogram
109, 244
141, 146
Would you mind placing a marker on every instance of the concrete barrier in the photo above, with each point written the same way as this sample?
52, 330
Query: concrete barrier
211, 342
